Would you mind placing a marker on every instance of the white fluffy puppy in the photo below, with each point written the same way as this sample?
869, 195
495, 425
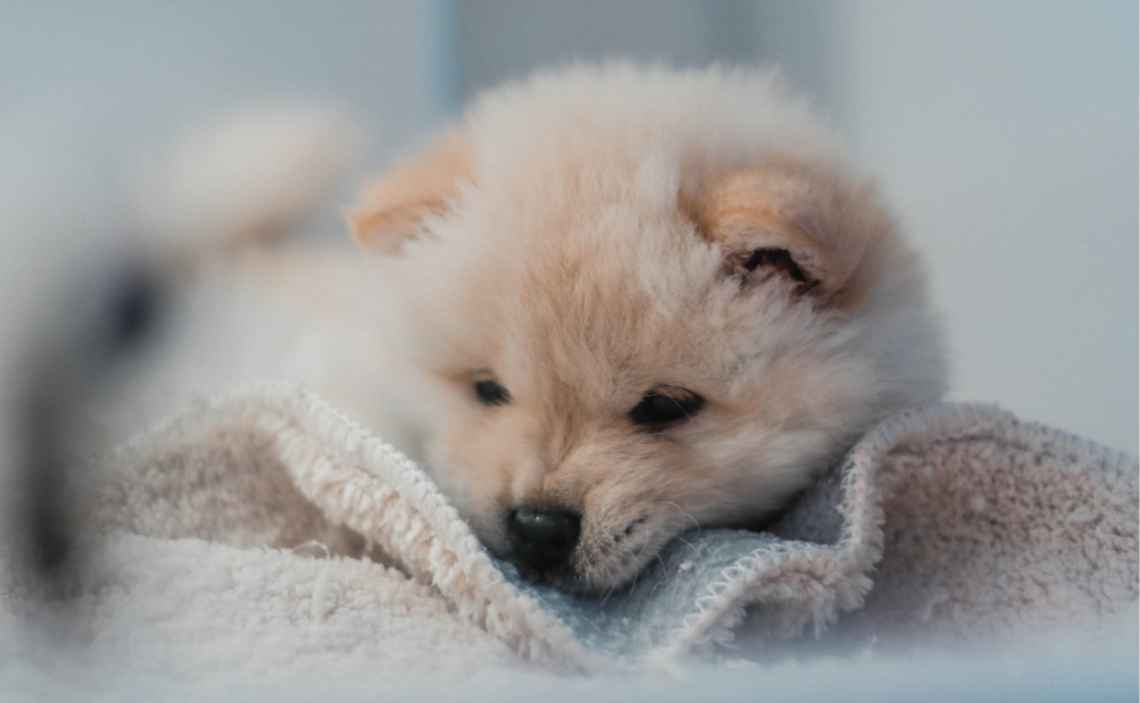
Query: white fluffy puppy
630, 300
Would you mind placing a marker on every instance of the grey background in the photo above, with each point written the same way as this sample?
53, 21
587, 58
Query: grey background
1005, 133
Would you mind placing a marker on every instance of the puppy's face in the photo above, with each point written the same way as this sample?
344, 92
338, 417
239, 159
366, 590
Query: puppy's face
622, 346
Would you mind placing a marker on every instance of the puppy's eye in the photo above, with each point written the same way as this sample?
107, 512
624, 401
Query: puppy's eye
491, 392
664, 406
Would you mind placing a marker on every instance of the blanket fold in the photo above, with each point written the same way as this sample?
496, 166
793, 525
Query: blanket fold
954, 522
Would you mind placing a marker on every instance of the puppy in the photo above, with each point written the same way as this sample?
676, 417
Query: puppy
621, 302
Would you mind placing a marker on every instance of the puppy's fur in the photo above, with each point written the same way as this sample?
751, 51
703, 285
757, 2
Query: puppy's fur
590, 235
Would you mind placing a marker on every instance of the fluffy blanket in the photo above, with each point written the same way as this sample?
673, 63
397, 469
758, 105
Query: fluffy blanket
267, 532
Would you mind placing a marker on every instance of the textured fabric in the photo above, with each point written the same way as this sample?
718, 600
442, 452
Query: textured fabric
952, 523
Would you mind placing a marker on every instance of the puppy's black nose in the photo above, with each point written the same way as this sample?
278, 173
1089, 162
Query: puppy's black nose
543, 539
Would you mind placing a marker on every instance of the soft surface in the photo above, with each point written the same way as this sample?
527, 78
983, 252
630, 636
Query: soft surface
231, 540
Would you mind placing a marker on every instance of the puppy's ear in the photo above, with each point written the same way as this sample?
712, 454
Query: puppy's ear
392, 209
791, 223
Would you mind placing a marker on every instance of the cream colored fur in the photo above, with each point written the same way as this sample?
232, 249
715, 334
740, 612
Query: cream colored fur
581, 237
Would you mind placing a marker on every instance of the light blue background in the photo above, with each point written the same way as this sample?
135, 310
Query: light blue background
1006, 133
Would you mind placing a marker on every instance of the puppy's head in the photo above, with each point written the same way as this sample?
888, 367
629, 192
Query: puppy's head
642, 302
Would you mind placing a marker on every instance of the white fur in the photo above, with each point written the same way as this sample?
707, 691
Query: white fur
554, 246
580, 170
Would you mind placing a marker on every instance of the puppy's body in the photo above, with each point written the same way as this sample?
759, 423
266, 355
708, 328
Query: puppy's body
602, 237
613, 303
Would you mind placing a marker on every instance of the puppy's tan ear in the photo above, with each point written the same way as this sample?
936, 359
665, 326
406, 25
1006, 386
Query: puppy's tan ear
791, 222
392, 209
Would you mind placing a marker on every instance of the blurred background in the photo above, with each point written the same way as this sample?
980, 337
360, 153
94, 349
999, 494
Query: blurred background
1004, 133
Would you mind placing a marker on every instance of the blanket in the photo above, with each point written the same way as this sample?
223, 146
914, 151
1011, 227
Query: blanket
268, 532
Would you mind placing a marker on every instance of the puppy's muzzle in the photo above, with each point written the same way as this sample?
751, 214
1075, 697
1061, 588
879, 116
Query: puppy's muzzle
543, 540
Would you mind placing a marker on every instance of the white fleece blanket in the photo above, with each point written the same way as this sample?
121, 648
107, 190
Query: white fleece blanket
268, 535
